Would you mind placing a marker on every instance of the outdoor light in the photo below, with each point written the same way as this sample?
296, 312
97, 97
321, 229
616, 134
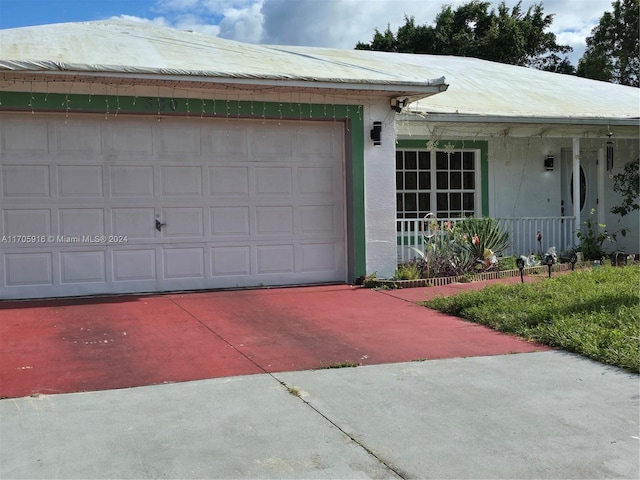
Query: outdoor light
397, 104
573, 259
520, 263
609, 152
548, 162
376, 133
549, 261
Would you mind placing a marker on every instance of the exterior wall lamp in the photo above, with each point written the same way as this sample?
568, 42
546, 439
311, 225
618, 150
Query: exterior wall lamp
397, 104
548, 163
376, 133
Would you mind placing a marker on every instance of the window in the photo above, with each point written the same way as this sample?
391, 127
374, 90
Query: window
443, 182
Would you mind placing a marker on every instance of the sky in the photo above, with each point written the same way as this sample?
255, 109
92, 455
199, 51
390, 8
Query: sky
321, 23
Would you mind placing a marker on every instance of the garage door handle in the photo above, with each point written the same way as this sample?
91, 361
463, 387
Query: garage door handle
159, 225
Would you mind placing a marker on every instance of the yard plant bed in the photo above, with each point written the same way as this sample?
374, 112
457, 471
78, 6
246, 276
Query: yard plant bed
475, 277
592, 312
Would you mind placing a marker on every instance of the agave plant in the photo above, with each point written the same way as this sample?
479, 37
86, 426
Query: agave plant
483, 234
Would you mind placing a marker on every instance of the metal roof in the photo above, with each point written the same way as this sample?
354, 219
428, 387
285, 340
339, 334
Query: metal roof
147, 52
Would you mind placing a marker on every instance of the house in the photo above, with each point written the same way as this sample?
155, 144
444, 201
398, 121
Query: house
535, 132
135, 158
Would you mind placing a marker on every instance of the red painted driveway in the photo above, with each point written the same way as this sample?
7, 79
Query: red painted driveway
61, 346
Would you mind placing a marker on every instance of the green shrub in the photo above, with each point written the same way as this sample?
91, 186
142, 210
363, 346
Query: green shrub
490, 234
411, 270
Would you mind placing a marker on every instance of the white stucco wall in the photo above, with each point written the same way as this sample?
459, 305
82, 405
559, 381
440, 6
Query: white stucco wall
519, 185
380, 191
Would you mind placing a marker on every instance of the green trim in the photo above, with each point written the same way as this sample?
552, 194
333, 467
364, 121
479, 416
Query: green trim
112, 105
481, 145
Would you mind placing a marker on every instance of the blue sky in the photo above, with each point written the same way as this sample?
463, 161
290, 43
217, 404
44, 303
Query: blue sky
325, 23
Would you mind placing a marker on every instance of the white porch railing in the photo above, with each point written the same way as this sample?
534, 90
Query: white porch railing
556, 232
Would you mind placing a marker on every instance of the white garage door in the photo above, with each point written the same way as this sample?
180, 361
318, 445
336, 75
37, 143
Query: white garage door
90, 205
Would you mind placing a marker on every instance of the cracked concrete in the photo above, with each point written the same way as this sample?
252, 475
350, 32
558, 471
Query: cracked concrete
531, 415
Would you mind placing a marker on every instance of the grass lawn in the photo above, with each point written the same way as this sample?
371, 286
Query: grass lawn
595, 313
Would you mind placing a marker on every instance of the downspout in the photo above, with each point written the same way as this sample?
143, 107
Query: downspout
576, 188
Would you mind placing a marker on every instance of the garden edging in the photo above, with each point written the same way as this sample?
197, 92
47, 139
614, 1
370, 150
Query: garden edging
440, 281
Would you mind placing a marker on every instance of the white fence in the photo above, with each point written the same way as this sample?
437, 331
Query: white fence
555, 232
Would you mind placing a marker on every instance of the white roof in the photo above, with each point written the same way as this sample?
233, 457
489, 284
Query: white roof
480, 87
476, 87
133, 48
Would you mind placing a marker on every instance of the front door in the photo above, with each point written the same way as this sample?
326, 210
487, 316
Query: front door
588, 182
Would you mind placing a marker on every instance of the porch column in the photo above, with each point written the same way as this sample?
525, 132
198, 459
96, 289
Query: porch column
576, 188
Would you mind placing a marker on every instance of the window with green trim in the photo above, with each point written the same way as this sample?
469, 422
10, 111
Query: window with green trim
443, 182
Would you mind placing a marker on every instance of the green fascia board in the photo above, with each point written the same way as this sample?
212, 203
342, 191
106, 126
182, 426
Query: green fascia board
481, 145
114, 105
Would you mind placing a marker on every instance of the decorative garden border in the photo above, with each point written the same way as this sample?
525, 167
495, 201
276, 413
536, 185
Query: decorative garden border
440, 281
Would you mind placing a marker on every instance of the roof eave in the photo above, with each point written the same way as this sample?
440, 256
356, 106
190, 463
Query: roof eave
557, 120
410, 91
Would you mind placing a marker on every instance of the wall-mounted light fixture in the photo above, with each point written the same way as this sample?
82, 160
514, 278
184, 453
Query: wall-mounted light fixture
397, 104
548, 162
376, 133
609, 152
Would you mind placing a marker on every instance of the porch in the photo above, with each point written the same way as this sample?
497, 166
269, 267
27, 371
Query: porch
558, 232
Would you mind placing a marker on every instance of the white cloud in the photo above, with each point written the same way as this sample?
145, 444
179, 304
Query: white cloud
343, 23
243, 24
160, 21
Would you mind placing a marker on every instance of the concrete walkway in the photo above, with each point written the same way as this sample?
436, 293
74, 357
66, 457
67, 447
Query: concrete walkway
533, 415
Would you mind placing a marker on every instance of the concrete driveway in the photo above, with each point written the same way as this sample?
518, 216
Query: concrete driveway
89, 344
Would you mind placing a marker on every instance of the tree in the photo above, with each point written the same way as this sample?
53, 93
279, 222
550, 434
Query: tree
612, 52
627, 184
505, 36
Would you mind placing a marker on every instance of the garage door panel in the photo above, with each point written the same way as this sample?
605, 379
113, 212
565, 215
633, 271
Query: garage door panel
25, 181
231, 261
133, 223
318, 257
35, 222
131, 141
181, 181
317, 219
80, 181
182, 222
32, 268
227, 144
134, 264
318, 142
183, 263
275, 220
131, 181
77, 137
274, 181
316, 180
30, 136
180, 140
229, 181
275, 259
273, 142
230, 221
82, 266
80, 222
